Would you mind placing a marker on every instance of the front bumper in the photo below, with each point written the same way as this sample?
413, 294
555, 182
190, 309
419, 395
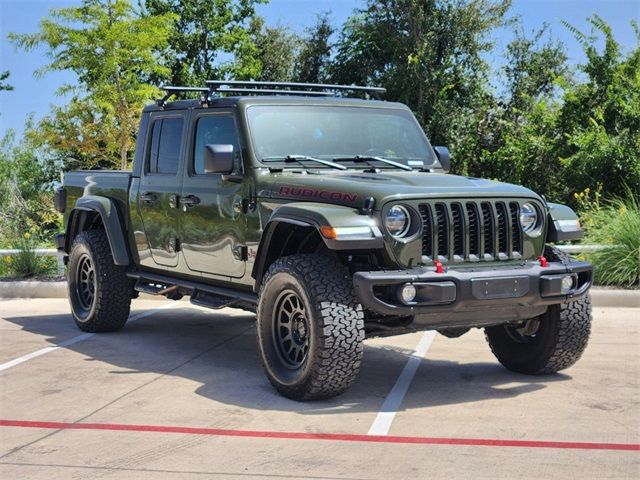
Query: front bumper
513, 292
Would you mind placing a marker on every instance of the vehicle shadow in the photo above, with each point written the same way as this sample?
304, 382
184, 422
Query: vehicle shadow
219, 352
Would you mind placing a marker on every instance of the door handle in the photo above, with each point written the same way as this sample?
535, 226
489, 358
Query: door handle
189, 200
148, 197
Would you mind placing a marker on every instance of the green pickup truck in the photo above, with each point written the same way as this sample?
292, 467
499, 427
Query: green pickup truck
333, 219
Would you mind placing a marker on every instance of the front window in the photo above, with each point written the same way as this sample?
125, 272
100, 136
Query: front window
337, 133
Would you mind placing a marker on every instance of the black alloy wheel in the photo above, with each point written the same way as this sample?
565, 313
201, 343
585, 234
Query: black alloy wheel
85, 283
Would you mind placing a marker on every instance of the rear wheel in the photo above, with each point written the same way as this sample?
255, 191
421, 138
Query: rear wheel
99, 290
310, 327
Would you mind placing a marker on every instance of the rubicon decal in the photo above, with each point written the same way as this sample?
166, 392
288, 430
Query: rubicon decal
313, 193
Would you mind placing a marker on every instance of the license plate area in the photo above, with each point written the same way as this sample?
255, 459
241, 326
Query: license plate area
500, 287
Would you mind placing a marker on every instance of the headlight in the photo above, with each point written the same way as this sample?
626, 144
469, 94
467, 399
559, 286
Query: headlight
398, 221
528, 217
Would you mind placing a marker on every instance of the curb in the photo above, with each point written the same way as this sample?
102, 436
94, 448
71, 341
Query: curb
601, 297
37, 289
33, 289
604, 297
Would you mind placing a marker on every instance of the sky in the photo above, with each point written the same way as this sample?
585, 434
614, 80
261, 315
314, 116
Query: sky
35, 95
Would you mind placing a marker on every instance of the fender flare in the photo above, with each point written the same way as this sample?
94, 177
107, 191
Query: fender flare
564, 223
317, 215
106, 208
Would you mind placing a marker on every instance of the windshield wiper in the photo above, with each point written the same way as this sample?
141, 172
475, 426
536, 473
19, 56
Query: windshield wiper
367, 158
303, 158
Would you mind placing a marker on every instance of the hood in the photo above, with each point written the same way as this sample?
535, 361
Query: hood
352, 188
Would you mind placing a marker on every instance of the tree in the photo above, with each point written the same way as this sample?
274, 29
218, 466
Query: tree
3, 76
205, 34
428, 54
80, 135
600, 118
517, 139
313, 60
26, 195
533, 68
274, 49
111, 48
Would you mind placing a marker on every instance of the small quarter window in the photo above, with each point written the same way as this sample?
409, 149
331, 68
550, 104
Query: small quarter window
166, 139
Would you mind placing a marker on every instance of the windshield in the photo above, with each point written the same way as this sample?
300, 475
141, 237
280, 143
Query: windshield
336, 132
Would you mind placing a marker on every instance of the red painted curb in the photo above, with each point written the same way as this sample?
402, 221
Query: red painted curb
477, 442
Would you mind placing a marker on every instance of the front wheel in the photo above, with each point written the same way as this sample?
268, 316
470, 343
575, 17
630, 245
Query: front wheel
99, 290
546, 344
310, 327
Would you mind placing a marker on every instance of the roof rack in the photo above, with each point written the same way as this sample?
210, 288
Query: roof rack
171, 90
242, 87
286, 88
271, 91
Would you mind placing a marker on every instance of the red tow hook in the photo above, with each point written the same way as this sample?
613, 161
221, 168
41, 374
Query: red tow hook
543, 261
439, 267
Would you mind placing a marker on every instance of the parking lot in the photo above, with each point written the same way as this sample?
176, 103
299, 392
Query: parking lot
180, 393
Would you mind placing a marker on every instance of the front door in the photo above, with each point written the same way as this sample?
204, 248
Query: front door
159, 189
213, 222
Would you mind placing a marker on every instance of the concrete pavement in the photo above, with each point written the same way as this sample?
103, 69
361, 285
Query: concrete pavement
180, 366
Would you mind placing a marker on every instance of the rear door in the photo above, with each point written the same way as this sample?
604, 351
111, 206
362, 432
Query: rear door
160, 186
213, 223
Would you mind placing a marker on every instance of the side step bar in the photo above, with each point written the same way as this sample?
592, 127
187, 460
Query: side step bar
201, 293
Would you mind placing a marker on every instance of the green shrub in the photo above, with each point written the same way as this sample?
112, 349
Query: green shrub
26, 263
615, 224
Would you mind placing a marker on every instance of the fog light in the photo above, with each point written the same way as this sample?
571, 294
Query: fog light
567, 284
408, 293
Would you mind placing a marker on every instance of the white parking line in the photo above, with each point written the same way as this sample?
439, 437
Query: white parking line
71, 341
387, 413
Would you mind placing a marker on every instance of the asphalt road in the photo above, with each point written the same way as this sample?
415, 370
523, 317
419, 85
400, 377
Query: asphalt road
179, 393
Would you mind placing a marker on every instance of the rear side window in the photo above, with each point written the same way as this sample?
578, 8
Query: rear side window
214, 129
166, 139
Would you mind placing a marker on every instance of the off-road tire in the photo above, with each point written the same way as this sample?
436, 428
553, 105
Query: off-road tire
559, 342
108, 310
335, 323
561, 338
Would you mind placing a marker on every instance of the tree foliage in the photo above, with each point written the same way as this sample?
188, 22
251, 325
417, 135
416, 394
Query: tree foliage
206, 39
428, 54
3, 77
26, 196
600, 118
111, 48
314, 59
274, 49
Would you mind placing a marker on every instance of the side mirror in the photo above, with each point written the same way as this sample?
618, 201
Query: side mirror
444, 157
218, 159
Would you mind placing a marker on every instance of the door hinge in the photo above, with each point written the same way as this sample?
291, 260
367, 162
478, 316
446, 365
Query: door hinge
241, 252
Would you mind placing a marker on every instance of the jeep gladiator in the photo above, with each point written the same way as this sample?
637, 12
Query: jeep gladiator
330, 217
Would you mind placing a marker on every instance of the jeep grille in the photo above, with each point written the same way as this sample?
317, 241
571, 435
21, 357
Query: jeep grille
471, 231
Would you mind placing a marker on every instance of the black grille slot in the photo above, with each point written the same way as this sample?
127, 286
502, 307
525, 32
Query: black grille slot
474, 229
515, 227
427, 230
471, 231
443, 230
487, 230
458, 229
503, 227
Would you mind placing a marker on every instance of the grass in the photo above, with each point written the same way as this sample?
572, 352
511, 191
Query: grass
615, 224
26, 264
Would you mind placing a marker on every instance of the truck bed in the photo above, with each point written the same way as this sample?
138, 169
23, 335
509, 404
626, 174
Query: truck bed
108, 183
